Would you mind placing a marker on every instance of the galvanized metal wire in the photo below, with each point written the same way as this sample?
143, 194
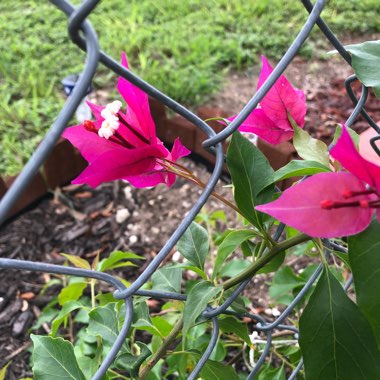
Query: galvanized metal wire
83, 35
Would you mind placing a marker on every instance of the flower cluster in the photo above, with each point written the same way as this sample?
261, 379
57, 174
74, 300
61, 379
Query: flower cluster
270, 120
120, 145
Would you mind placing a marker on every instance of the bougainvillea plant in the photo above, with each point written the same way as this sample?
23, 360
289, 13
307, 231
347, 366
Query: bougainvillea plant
337, 198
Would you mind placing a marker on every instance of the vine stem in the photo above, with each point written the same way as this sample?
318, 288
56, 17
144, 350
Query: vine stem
257, 265
162, 350
187, 174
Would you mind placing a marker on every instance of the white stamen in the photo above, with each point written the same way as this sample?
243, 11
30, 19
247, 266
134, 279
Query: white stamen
108, 114
114, 106
111, 121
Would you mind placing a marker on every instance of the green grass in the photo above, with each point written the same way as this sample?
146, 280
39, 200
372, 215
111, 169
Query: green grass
184, 47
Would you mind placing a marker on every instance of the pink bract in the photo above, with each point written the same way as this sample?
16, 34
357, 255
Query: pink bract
133, 152
270, 121
332, 204
300, 206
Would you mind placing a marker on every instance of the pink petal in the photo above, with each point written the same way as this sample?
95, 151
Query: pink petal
96, 110
345, 152
179, 150
90, 144
281, 99
260, 124
120, 163
152, 179
133, 135
299, 206
138, 112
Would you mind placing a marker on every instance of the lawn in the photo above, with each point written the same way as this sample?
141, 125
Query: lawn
185, 48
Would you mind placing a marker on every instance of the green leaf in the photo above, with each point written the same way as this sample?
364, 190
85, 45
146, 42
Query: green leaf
366, 63
298, 168
88, 365
213, 370
338, 132
77, 261
363, 251
234, 267
284, 281
132, 362
250, 172
67, 308
309, 148
197, 299
162, 325
231, 325
54, 358
156, 326
71, 292
194, 245
193, 268
167, 279
3, 371
272, 373
104, 323
232, 241
218, 353
273, 264
142, 320
115, 260
335, 338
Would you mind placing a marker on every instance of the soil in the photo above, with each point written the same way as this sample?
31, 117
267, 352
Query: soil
79, 220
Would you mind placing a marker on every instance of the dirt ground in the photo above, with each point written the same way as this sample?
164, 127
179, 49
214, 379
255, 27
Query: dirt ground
80, 221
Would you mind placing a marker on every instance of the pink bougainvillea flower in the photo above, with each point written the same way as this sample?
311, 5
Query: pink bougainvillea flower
332, 204
124, 146
270, 121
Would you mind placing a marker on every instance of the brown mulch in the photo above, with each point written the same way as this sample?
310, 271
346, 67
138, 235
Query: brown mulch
81, 221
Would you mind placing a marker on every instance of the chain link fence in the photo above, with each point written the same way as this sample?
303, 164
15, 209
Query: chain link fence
83, 35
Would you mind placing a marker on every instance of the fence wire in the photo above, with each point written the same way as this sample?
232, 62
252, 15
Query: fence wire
83, 35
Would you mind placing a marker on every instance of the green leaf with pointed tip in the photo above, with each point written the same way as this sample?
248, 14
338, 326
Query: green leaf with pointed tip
363, 251
104, 323
309, 148
231, 242
194, 245
67, 308
167, 279
335, 338
193, 268
197, 299
71, 292
366, 63
53, 358
338, 132
77, 261
251, 173
298, 168
213, 370
3, 371
116, 260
